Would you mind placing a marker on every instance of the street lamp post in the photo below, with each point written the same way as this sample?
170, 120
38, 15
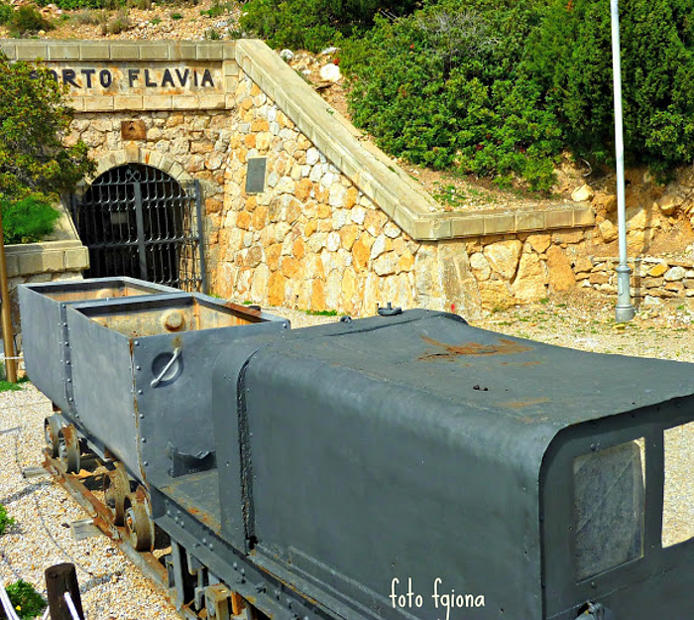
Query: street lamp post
625, 310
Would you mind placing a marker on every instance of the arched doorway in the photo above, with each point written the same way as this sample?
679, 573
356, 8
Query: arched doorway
138, 221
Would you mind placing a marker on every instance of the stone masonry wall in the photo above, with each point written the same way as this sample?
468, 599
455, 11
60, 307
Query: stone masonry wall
338, 226
653, 279
313, 241
196, 140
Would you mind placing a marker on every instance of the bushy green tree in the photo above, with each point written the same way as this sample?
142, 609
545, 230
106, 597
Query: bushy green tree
443, 87
314, 24
570, 56
34, 115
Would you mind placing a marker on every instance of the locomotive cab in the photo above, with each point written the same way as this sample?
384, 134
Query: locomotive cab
389, 462
617, 516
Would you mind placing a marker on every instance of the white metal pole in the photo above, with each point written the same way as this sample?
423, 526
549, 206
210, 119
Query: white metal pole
625, 310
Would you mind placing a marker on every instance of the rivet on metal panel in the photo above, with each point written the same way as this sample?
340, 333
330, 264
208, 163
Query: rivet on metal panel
144, 440
139, 391
138, 367
137, 343
145, 463
142, 416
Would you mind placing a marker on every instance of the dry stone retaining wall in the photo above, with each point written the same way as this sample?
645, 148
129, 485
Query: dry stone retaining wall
653, 279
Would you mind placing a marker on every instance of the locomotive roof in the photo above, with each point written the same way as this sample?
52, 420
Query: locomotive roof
439, 354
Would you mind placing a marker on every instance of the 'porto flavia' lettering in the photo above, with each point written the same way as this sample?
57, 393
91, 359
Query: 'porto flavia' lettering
135, 78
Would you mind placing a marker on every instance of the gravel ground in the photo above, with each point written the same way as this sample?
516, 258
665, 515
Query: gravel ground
113, 588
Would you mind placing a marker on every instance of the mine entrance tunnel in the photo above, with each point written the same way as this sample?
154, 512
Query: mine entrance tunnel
138, 221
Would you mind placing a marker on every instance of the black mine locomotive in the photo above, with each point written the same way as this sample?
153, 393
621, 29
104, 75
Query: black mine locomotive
406, 465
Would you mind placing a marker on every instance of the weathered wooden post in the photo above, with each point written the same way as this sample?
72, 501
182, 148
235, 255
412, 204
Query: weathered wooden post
60, 579
7, 334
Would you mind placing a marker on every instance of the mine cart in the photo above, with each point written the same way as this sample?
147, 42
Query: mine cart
412, 466
141, 377
45, 339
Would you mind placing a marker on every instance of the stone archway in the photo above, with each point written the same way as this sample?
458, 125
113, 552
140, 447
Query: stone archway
140, 221
137, 155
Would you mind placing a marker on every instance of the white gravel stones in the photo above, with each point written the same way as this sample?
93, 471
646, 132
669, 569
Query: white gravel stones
111, 586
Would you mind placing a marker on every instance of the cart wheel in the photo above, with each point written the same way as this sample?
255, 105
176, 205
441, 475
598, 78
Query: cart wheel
69, 448
116, 490
138, 523
51, 431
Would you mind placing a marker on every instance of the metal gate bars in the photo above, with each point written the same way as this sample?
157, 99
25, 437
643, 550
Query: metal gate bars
138, 221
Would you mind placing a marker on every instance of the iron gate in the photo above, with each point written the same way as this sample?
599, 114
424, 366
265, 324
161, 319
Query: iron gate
138, 221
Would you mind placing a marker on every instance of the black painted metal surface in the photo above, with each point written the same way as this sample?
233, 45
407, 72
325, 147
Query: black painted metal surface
141, 372
417, 447
45, 339
138, 221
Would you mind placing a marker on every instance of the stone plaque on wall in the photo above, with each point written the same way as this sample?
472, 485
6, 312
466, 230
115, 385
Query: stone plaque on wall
255, 178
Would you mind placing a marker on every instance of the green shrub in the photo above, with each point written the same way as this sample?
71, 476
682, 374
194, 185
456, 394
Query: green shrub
73, 5
5, 13
313, 24
33, 114
27, 220
119, 23
570, 56
5, 521
218, 9
176, 16
212, 35
27, 602
27, 20
90, 17
142, 5
442, 88
6, 386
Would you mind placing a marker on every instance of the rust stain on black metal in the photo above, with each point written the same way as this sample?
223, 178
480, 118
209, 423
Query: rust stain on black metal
242, 309
521, 404
505, 346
